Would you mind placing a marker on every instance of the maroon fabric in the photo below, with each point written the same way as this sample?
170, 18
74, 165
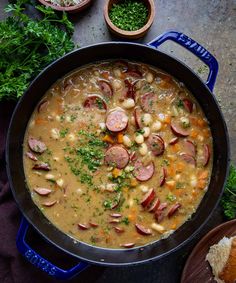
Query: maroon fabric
13, 267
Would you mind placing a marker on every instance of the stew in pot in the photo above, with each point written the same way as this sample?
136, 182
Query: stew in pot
118, 154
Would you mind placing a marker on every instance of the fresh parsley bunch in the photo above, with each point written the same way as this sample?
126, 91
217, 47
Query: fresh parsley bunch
28, 44
228, 200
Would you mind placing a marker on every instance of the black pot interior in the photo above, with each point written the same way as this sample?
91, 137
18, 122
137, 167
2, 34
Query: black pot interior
29, 101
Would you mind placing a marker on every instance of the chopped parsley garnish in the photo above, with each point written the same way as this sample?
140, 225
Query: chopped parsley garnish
73, 117
64, 132
180, 103
125, 220
170, 197
140, 132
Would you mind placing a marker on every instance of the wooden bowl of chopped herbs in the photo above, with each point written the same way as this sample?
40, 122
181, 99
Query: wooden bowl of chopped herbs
129, 18
70, 6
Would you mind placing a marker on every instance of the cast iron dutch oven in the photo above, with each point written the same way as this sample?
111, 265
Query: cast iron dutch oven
115, 50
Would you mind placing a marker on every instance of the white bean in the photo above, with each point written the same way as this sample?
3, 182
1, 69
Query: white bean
58, 118
55, 134
68, 118
147, 119
139, 139
71, 137
143, 149
143, 188
146, 132
149, 77
131, 202
117, 85
200, 138
128, 103
60, 182
117, 72
157, 227
55, 158
126, 141
177, 176
156, 126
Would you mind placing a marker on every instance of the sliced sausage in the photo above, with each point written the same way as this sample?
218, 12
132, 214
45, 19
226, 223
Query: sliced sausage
178, 130
173, 209
142, 230
82, 226
173, 141
189, 148
148, 198
143, 173
31, 156
129, 89
115, 215
95, 101
156, 144
36, 145
42, 105
42, 191
49, 203
116, 121
117, 156
133, 156
116, 201
148, 102
134, 73
119, 230
92, 224
114, 221
188, 158
162, 206
154, 206
188, 105
206, 154
138, 117
42, 166
159, 215
163, 177
105, 88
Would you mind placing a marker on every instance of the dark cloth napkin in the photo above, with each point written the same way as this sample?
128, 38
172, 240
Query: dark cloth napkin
13, 267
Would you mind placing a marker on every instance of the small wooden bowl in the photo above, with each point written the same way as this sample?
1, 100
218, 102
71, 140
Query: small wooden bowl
70, 9
129, 34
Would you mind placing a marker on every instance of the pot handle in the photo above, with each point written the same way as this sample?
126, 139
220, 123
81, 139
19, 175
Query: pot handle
40, 262
194, 47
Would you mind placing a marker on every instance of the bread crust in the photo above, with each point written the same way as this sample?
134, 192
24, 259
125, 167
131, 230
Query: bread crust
228, 274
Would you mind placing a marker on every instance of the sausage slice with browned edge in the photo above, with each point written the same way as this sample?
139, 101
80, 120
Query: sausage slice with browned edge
173, 209
149, 102
148, 198
189, 148
116, 121
117, 156
178, 130
105, 88
142, 230
95, 101
143, 173
156, 144
36, 145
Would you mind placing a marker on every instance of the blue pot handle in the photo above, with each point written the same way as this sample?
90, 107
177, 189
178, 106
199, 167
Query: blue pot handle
41, 262
194, 47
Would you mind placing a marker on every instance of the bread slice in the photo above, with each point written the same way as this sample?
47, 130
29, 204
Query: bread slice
218, 258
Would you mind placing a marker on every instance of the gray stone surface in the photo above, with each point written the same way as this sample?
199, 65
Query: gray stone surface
212, 23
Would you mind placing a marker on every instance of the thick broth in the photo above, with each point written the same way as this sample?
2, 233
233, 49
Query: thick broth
118, 154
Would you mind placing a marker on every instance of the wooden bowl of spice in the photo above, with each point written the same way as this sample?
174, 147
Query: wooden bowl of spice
70, 6
129, 18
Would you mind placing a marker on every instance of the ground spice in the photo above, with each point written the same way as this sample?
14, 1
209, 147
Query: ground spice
129, 15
